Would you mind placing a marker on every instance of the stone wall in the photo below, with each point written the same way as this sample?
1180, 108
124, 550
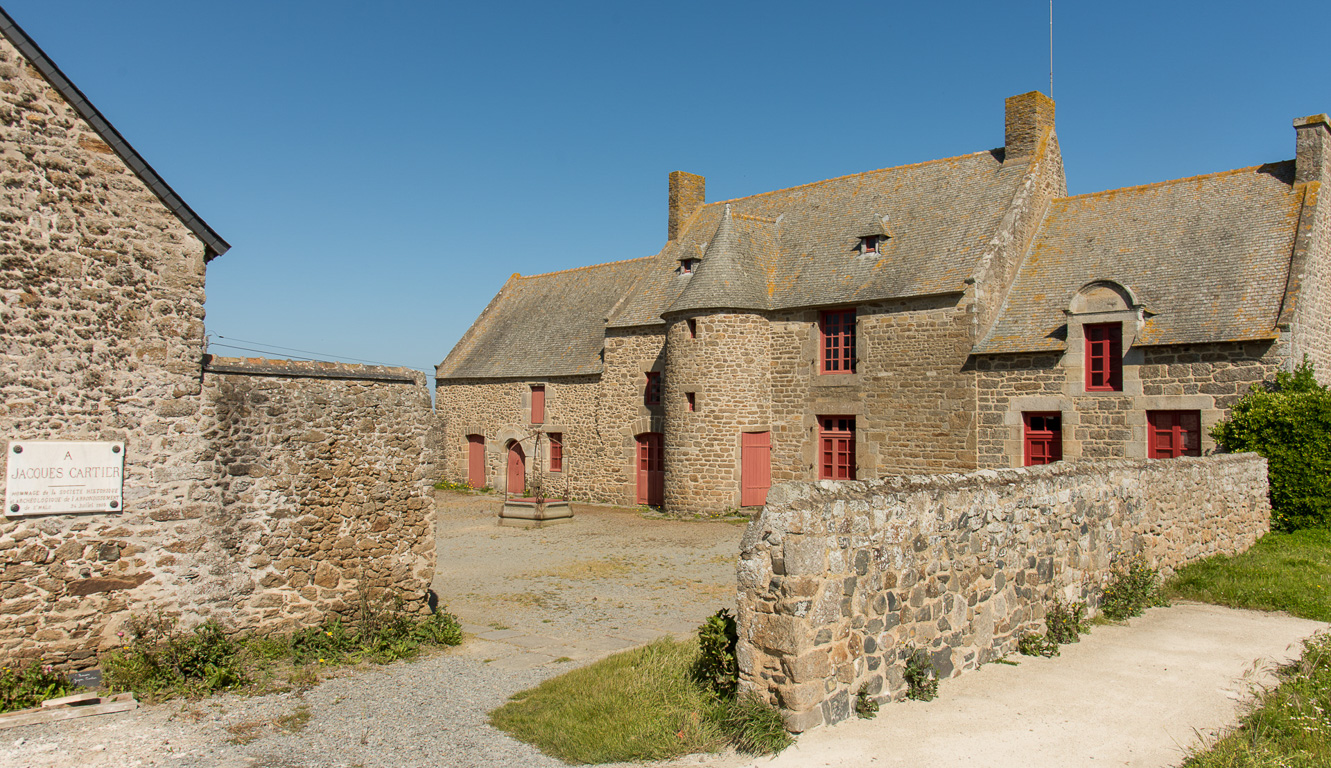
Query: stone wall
1208, 378
325, 495
101, 332
839, 582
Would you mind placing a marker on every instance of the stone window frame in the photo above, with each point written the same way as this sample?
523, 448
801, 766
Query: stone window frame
1091, 306
555, 458
1152, 429
852, 332
1057, 437
648, 390
870, 243
854, 443
1113, 356
691, 402
528, 401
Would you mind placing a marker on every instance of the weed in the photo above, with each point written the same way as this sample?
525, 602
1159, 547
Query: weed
246, 732
295, 720
1065, 621
1133, 587
921, 676
865, 707
755, 727
716, 667
1007, 662
30, 686
1036, 644
161, 661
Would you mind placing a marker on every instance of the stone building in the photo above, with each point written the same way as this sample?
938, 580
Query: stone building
948, 315
256, 492
953, 314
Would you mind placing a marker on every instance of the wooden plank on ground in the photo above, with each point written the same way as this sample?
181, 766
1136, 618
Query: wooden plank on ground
121, 702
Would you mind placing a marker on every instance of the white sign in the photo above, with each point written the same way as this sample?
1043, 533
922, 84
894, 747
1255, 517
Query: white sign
47, 477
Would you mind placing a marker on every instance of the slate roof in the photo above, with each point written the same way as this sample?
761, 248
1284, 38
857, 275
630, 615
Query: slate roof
1207, 256
731, 274
941, 214
213, 243
544, 325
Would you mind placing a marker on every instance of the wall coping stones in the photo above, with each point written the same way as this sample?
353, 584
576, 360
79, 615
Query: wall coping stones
310, 369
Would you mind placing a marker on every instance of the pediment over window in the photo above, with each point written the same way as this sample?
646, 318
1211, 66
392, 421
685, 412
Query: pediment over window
1102, 296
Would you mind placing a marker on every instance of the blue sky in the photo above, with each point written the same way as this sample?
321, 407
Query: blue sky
380, 169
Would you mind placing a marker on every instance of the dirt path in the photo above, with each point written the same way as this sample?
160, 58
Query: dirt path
609, 579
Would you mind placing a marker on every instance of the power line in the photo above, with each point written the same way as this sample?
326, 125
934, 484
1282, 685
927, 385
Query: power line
317, 355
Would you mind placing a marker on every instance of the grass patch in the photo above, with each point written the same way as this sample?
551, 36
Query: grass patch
642, 704
1285, 727
1281, 572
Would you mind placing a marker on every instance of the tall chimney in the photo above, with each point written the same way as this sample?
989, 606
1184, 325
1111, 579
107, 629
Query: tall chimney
688, 191
1028, 115
1312, 155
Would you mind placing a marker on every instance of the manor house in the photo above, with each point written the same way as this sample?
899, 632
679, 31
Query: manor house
944, 316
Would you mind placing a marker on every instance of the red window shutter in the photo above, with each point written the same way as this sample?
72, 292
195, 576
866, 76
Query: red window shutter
537, 404
556, 452
1043, 438
652, 394
1104, 357
1170, 434
838, 337
836, 448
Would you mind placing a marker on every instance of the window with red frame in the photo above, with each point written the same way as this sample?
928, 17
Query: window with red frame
1043, 439
869, 244
838, 334
556, 451
652, 394
836, 447
538, 404
1104, 357
1171, 434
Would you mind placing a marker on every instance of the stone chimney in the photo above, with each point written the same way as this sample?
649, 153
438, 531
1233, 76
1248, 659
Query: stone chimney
1028, 115
1312, 155
688, 191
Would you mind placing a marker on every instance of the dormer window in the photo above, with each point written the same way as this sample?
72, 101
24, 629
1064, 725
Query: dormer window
686, 266
869, 243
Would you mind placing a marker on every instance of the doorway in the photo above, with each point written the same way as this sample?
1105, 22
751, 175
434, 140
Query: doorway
517, 469
651, 469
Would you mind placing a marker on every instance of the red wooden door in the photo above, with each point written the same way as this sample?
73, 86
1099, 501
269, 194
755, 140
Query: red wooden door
836, 448
651, 469
1044, 438
476, 461
755, 468
517, 469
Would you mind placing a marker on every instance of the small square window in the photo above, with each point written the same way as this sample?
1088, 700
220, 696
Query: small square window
693, 328
691, 401
869, 243
686, 266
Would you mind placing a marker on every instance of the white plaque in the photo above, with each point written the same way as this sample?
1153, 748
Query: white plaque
47, 477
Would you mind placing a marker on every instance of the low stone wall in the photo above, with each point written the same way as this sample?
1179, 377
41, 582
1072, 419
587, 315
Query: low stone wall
840, 582
324, 485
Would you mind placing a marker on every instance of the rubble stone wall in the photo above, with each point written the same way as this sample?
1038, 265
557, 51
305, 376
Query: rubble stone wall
839, 583
325, 495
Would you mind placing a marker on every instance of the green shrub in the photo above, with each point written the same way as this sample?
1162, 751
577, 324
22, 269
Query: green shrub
716, 667
160, 661
921, 676
865, 707
1036, 644
1133, 587
22, 688
1065, 622
754, 726
1289, 423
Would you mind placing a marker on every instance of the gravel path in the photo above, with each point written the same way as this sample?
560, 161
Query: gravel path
535, 602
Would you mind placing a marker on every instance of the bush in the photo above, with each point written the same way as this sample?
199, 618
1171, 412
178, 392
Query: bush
716, 667
1133, 587
1065, 622
158, 660
1035, 644
1289, 423
30, 686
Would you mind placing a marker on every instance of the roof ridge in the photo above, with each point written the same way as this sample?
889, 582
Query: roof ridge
1167, 182
846, 176
585, 266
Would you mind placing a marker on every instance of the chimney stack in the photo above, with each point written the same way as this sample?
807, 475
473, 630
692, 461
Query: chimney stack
688, 191
1312, 155
1028, 115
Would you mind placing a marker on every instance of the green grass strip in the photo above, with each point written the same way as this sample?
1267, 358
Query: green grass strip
637, 705
1281, 572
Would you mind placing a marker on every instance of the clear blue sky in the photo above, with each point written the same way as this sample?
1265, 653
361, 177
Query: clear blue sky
380, 169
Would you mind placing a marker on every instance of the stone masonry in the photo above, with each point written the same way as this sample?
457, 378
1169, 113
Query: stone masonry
839, 582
